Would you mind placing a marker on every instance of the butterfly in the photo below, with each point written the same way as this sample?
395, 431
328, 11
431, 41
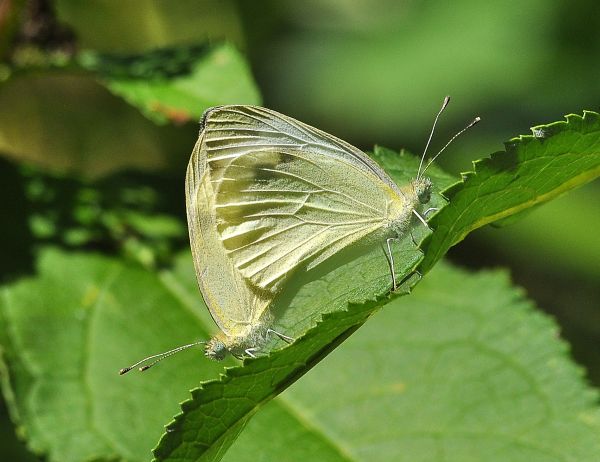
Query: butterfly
266, 195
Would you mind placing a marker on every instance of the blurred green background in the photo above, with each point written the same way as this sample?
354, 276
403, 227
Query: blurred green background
81, 168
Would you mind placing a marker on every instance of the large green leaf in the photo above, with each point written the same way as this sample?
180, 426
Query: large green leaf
464, 369
64, 335
442, 371
66, 332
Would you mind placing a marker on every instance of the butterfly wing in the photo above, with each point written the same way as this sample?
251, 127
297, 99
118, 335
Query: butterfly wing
288, 194
233, 131
228, 297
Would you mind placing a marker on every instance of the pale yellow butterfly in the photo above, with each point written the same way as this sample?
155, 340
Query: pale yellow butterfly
267, 194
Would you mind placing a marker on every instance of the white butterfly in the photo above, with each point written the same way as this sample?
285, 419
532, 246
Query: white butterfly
267, 194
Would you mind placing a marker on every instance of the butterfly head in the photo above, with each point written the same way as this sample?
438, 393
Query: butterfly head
215, 349
422, 188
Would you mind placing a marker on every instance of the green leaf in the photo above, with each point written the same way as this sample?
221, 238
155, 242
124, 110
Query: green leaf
533, 169
66, 332
177, 85
442, 372
465, 369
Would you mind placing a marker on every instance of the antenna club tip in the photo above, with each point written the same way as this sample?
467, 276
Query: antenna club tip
476, 120
144, 368
125, 370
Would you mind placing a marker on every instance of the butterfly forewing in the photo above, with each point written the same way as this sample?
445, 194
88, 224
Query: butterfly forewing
233, 131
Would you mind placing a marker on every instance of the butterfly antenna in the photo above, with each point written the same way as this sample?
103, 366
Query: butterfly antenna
157, 358
475, 121
444, 104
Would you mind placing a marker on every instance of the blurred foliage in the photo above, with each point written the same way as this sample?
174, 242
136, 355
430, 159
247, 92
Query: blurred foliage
176, 85
86, 167
104, 133
127, 214
114, 26
167, 85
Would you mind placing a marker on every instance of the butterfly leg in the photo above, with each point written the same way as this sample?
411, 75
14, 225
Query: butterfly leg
285, 338
421, 219
390, 257
430, 210
250, 352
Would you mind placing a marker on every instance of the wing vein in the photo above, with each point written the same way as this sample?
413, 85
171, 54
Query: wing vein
332, 191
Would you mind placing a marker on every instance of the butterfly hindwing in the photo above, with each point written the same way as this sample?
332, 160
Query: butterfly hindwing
231, 302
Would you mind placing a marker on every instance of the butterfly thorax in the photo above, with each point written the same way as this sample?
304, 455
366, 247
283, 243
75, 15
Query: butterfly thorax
251, 336
412, 196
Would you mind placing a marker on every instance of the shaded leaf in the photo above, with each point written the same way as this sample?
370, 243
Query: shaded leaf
104, 134
65, 334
